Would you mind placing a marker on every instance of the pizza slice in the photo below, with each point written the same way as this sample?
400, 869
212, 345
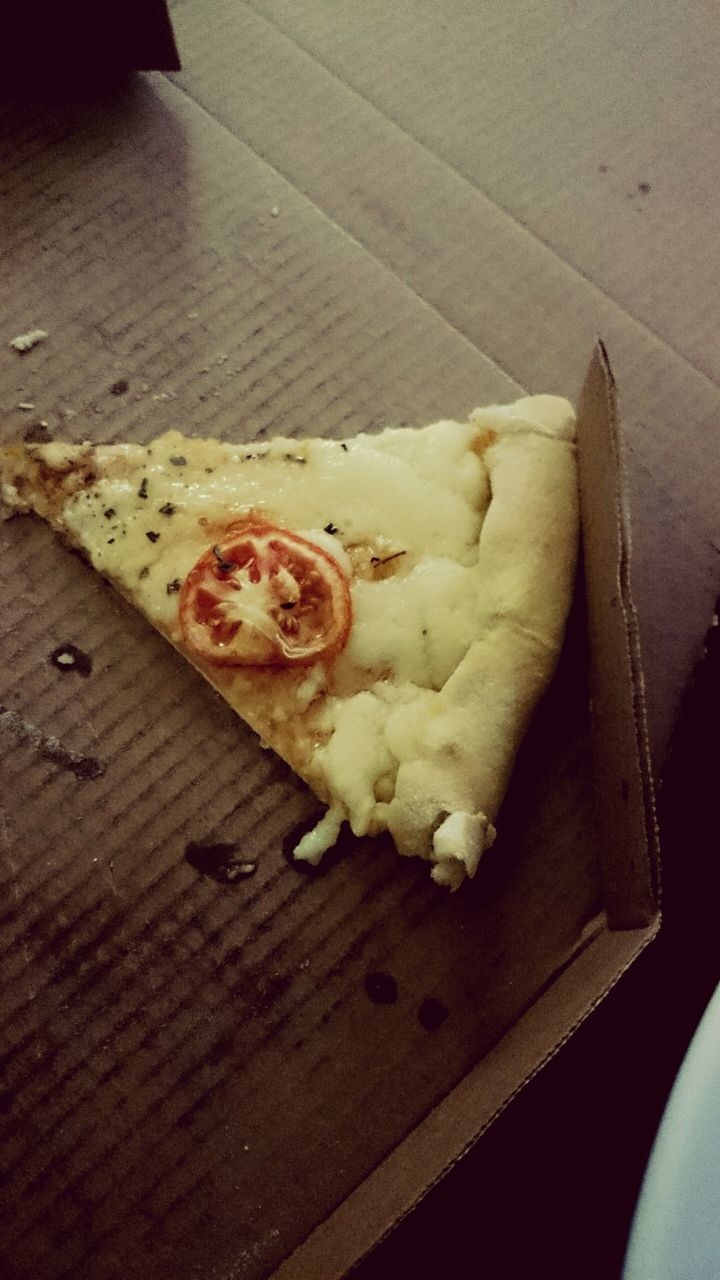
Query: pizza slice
384, 611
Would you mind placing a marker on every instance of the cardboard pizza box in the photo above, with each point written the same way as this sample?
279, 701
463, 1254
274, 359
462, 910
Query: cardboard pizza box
233, 1080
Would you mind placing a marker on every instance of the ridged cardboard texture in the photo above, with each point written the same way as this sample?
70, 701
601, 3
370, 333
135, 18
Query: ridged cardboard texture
202, 1078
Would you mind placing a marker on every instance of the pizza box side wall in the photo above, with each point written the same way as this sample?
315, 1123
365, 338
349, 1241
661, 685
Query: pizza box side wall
629, 843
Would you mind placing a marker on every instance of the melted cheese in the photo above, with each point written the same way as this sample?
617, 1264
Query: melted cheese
147, 525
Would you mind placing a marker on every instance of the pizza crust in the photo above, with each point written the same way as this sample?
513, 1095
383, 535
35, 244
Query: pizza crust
448, 794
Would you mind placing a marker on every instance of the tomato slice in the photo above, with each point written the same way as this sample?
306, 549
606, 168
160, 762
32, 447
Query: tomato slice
263, 596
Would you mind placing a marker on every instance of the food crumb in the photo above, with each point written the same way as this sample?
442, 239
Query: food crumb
220, 861
26, 405
26, 341
275, 211
67, 657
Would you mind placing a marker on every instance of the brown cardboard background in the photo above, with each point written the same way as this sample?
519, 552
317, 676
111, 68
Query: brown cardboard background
526, 103
140, 232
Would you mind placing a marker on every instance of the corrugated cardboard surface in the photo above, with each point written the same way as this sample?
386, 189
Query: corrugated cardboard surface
292, 237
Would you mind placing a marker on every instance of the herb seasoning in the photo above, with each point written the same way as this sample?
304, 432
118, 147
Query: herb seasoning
387, 559
225, 566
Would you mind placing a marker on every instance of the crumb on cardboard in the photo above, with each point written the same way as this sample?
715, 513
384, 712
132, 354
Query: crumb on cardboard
26, 341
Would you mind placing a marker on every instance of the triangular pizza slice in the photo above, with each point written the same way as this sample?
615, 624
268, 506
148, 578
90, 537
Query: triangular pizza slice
384, 611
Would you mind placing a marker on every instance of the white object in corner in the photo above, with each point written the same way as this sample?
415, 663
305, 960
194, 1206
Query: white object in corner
676, 1229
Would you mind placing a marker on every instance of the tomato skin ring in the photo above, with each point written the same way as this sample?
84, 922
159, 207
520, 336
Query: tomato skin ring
267, 597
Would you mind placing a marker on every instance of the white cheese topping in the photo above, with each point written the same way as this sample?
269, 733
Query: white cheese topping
147, 529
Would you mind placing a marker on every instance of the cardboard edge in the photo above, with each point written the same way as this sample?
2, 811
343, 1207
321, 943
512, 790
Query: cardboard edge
622, 767
413, 1168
